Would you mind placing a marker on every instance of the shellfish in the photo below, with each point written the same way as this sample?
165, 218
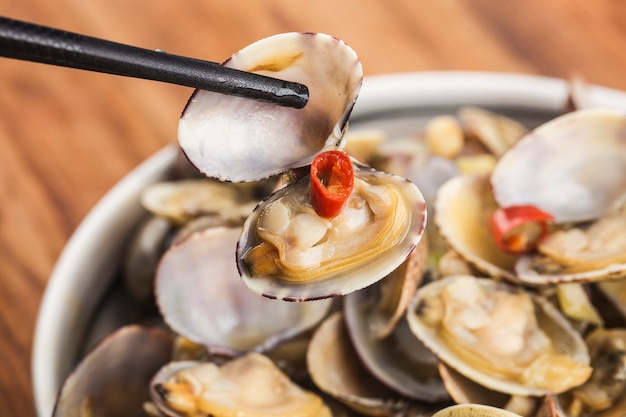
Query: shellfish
235, 139
555, 167
201, 297
123, 364
500, 336
250, 385
311, 257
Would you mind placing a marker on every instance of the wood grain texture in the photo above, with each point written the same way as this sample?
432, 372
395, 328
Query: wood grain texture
67, 136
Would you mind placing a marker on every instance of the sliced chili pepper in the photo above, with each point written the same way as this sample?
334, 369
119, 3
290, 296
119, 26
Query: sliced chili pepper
519, 229
332, 181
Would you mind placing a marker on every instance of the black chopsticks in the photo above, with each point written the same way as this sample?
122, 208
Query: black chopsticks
30, 42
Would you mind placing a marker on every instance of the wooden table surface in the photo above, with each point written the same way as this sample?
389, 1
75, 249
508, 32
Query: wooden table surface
67, 136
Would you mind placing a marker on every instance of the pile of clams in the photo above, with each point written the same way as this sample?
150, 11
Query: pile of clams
288, 269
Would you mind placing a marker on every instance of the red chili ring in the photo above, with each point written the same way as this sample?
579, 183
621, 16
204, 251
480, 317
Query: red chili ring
332, 181
504, 222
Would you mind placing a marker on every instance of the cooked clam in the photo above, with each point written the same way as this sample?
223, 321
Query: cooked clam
555, 167
399, 360
392, 296
499, 336
474, 410
113, 379
589, 252
498, 133
201, 297
336, 369
465, 391
462, 209
179, 201
287, 251
238, 139
251, 385
143, 251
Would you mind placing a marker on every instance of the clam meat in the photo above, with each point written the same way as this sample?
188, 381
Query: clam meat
500, 336
251, 385
286, 247
592, 251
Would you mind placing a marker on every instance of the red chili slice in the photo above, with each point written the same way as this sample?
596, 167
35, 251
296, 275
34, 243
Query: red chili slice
518, 229
332, 181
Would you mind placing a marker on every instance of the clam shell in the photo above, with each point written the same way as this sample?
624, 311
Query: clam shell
592, 252
336, 369
528, 273
556, 167
346, 279
400, 360
237, 139
142, 255
250, 385
461, 213
113, 378
181, 200
162, 375
565, 340
201, 297
465, 391
395, 291
498, 133
474, 410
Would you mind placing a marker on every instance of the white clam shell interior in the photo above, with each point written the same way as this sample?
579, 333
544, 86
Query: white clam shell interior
238, 139
201, 297
572, 167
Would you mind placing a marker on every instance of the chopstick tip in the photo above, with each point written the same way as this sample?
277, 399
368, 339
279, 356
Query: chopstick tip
292, 94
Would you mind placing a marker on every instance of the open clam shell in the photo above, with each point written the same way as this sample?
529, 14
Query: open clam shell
143, 251
571, 167
363, 246
465, 391
474, 410
201, 297
393, 294
400, 361
593, 251
250, 385
461, 213
499, 336
113, 378
336, 369
182, 200
237, 139
498, 133
529, 270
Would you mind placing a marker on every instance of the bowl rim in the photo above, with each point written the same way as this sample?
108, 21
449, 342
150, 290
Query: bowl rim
379, 92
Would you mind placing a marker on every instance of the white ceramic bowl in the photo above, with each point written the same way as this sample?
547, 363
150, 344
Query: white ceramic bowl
85, 268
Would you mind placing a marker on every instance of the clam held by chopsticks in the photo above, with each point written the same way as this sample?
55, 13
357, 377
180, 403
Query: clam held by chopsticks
294, 247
